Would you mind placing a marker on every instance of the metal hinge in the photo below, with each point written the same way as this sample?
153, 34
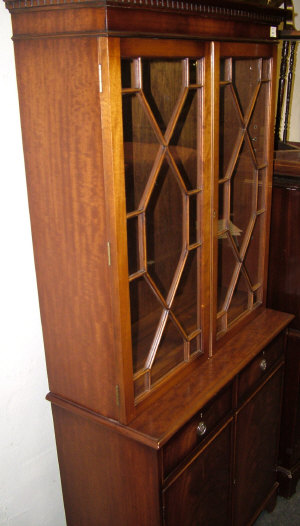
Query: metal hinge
118, 395
108, 254
100, 78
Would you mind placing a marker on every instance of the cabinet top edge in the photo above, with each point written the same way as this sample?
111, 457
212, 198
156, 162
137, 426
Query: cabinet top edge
188, 397
205, 8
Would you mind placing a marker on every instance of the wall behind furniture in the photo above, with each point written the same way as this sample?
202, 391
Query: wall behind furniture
30, 491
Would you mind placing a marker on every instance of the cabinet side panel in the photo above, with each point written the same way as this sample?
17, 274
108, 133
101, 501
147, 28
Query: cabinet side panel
61, 125
107, 479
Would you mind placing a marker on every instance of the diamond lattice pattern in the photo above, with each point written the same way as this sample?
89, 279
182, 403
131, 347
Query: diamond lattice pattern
162, 137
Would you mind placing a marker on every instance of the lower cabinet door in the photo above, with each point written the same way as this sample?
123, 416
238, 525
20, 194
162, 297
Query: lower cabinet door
257, 435
199, 494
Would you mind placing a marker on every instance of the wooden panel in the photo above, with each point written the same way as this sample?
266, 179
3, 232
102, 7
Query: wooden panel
200, 494
106, 478
56, 22
131, 47
256, 451
61, 122
250, 50
122, 20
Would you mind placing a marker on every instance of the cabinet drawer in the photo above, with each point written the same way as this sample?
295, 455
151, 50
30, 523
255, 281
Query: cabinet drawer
197, 429
259, 368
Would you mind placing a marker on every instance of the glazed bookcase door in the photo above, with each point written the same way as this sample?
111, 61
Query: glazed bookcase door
245, 87
162, 105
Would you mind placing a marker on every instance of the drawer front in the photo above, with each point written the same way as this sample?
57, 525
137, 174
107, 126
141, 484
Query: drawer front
259, 368
197, 429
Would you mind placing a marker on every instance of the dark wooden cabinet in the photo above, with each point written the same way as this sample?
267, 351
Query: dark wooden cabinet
284, 293
258, 422
148, 144
201, 491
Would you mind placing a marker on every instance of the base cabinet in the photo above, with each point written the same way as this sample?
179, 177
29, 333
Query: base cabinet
219, 468
200, 493
257, 434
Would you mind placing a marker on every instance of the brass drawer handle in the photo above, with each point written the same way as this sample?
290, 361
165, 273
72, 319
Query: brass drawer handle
263, 364
201, 429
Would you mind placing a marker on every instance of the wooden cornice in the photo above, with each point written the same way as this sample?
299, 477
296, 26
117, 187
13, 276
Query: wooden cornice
243, 11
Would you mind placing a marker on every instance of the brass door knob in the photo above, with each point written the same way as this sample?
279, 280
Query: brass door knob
263, 364
201, 429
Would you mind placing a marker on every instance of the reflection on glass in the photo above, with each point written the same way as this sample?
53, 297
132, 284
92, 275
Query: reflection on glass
195, 345
133, 245
145, 312
266, 69
194, 219
240, 299
244, 114
162, 104
230, 130
261, 191
227, 262
140, 149
185, 305
226, 70
162, 84
183, 144
242, 195
245, 79
169, 354
258, 125
164, 229
253, 257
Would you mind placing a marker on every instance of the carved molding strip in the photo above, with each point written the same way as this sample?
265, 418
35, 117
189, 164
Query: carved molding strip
205, 8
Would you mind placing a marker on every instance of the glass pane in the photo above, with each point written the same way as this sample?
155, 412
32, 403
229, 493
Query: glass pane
127, 73
133, 245
145, 312
246, 74
230, 130
258, 124
195, 224
226, 70
195, 345
164, 219
240, 299
242, 195
140, 149
141, 385
253, 259
195, 72
183, 144
170, 352
261, 194
226, 267
186, 305
266, 69
161, 77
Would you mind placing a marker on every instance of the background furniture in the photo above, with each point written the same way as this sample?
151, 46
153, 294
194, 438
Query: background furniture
148, 149
284, 293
